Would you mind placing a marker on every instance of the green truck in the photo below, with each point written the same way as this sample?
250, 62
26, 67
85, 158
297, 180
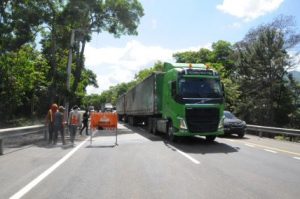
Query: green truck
183, 100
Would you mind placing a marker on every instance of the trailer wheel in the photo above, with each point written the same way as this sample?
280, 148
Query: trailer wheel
131, 121
154, 129
171, 135
149, 124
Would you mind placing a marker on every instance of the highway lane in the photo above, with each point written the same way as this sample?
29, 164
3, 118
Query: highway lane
148, 166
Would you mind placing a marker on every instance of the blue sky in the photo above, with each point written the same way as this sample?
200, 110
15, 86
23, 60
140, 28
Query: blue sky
170, 26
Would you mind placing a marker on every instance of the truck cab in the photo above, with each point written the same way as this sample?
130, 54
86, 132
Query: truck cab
193, 101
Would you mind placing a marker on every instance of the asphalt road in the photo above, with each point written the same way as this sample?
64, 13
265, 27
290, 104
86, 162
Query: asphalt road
147, 166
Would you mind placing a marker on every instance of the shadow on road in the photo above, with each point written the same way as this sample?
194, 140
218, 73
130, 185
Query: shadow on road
233, 137
97, 146
195, 144
200, 145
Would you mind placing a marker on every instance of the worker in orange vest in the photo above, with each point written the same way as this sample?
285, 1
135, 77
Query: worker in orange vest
50, 121
74, 122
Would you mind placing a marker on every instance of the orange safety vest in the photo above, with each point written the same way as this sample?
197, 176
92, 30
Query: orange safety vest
74, 120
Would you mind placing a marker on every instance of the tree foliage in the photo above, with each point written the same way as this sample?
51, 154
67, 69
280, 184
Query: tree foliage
53, 21
22, 81
255, 72
261, 62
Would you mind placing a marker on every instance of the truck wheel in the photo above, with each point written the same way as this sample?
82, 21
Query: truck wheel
154, 129
130, 121
120, 118
210, 138
149, 125
171, 135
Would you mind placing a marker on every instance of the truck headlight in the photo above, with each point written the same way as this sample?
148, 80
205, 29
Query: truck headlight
182, 123
221, 123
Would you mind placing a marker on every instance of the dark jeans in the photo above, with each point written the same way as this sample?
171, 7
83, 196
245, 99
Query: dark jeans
62, 134
50, 131
85, 125
72, 130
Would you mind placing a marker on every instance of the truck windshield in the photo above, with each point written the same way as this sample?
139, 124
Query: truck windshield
199, 88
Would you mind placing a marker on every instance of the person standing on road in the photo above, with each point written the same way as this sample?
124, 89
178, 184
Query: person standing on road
59, 124
50, 121
85, 121
74, 118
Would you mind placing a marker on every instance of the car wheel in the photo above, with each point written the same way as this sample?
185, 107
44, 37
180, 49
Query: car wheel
241, 135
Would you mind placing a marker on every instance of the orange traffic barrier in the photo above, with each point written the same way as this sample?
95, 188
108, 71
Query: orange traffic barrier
106, 120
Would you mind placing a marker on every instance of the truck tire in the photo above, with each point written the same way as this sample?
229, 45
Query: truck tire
149, 124
131, 121
125, 119
171, 135
120, 118
154, 128
210, 138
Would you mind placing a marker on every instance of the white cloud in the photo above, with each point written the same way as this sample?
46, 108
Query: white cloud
249, 9
296, 60
114, 65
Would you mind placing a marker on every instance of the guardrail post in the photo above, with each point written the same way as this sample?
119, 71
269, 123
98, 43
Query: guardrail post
1, 147
260, 133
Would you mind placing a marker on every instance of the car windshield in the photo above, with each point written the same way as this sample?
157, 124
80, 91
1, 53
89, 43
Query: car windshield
229, 115
199, 88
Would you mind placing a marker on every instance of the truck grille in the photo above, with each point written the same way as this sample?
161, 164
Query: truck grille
202, 119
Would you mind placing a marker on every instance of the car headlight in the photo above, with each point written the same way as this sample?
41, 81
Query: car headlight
182, 123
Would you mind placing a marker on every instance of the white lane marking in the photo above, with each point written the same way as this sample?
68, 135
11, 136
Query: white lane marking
185, 155
230, 140
42, 176
271, 151
298, 158
189, 157
250, 145
270, 148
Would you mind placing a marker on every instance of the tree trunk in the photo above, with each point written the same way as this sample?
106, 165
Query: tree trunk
79, 67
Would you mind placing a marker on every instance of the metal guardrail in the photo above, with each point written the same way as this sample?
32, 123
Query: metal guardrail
21, 131
274, 130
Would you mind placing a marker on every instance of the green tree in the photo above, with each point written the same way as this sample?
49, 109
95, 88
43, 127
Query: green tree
221, 53
19, 23
202, 56
116, 17
262, 61
22, 82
